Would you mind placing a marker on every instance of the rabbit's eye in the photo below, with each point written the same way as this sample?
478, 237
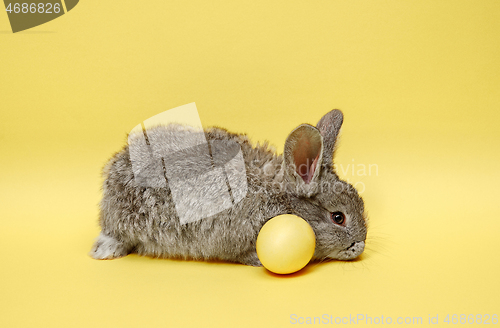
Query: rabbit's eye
338, 217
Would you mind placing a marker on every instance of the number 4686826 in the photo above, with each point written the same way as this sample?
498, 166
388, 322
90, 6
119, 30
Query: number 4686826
485, 319
27, 8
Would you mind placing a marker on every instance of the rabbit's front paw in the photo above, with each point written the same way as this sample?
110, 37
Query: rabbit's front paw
108, 248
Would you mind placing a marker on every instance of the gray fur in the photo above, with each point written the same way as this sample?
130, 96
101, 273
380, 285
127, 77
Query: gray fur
141, 217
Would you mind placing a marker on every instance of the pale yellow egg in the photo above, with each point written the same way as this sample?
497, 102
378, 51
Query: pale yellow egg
285, 244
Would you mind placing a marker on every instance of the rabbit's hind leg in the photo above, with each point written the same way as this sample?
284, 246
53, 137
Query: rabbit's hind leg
108, 248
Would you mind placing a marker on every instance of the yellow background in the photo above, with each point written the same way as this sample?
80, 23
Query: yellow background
419, 85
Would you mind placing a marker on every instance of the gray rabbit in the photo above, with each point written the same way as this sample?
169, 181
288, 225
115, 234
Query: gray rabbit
162, 194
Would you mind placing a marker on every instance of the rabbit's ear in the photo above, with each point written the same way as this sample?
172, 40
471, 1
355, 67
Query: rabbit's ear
303, 155
329, 127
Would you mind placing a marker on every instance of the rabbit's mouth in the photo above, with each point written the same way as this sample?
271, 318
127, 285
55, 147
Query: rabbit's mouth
351, 252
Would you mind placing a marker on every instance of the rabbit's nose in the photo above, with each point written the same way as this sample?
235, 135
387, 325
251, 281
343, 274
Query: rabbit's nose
351, 252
